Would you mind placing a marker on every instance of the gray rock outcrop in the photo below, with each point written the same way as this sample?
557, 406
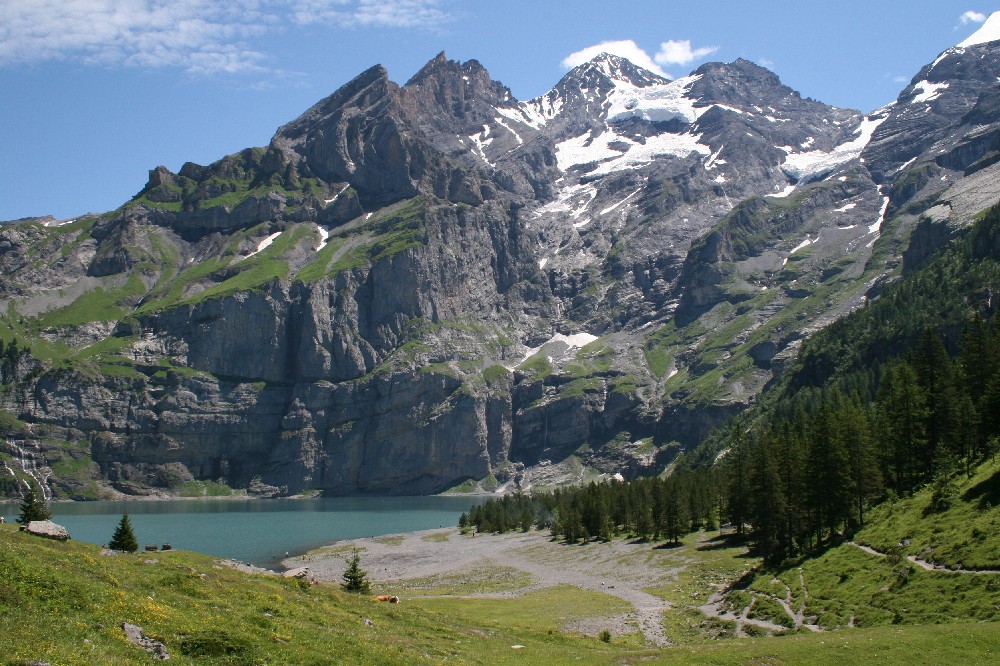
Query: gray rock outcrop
47, 529
136, 635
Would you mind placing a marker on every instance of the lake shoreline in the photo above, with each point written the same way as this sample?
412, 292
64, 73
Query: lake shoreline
234, 497
258, 532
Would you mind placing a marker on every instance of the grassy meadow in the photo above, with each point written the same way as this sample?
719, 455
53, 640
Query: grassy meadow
63, 603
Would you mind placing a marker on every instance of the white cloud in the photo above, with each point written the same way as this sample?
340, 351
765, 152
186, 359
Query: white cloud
679, 52
625, 48
198, 36
191, 35
972, 17
370, 13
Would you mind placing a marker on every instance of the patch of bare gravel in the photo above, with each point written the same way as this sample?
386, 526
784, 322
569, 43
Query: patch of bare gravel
618, 568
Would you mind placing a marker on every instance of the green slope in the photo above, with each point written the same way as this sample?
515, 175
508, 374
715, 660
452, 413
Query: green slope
64, 604
887, 575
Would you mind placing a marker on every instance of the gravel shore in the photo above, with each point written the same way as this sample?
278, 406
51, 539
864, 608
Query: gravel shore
446, 562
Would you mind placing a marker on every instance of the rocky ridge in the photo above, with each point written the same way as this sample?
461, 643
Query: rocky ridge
419, 286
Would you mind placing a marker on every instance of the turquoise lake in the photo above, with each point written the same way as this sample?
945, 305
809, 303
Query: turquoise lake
256, 531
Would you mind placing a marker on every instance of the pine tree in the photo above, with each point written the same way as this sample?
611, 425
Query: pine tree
124, 537
865, 476
33, 506
792, 454
768, 508
527, 517
934, 372
901, 413
738, 497
977, 357
829, 471
356, 578
676, 516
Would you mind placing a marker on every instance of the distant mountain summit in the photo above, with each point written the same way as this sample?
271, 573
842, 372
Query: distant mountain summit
989, 32
434, 284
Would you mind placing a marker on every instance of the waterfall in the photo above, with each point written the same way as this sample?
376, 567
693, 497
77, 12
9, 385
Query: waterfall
33, 464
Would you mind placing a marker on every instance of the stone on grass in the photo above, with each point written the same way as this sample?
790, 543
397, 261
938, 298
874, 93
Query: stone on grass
297, 572
47, 529
154, 647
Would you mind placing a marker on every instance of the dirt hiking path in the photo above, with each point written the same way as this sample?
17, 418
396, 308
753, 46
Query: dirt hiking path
925, 565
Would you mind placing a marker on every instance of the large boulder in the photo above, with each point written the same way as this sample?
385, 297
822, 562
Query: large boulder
47, 529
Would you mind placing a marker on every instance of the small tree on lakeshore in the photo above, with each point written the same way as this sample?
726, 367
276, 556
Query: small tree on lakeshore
356, 578
124, 538
33, 506
463, 524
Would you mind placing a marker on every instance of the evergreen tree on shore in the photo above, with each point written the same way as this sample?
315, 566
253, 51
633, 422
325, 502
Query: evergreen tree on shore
124, 538
356, 578
33, 506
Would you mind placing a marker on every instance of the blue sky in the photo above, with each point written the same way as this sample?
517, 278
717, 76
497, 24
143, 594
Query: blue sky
94, 93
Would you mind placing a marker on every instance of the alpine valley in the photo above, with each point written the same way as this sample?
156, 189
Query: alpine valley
434, 286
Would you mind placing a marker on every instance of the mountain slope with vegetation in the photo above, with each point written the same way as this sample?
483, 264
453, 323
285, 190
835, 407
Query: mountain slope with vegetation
899, 394
433, 285
919, 560
866, 480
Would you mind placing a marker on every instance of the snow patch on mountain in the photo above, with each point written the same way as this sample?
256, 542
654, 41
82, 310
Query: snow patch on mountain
324, 236
614, 152
612, 207
537, 112
573, 200
809, 165
559, 344
481, 142
329, 201
989, 32
264, 244
714, 160
804, 244
732, 109
876, 228
783, 193
510, 129
658, 103
928, 91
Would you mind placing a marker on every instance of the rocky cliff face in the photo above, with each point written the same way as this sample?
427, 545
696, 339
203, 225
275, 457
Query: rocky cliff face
415, 286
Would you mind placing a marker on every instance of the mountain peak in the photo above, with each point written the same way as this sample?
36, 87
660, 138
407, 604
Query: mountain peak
738, 67
372, 83
440, 66
989, 32
618, 69
435, 64
608, 61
